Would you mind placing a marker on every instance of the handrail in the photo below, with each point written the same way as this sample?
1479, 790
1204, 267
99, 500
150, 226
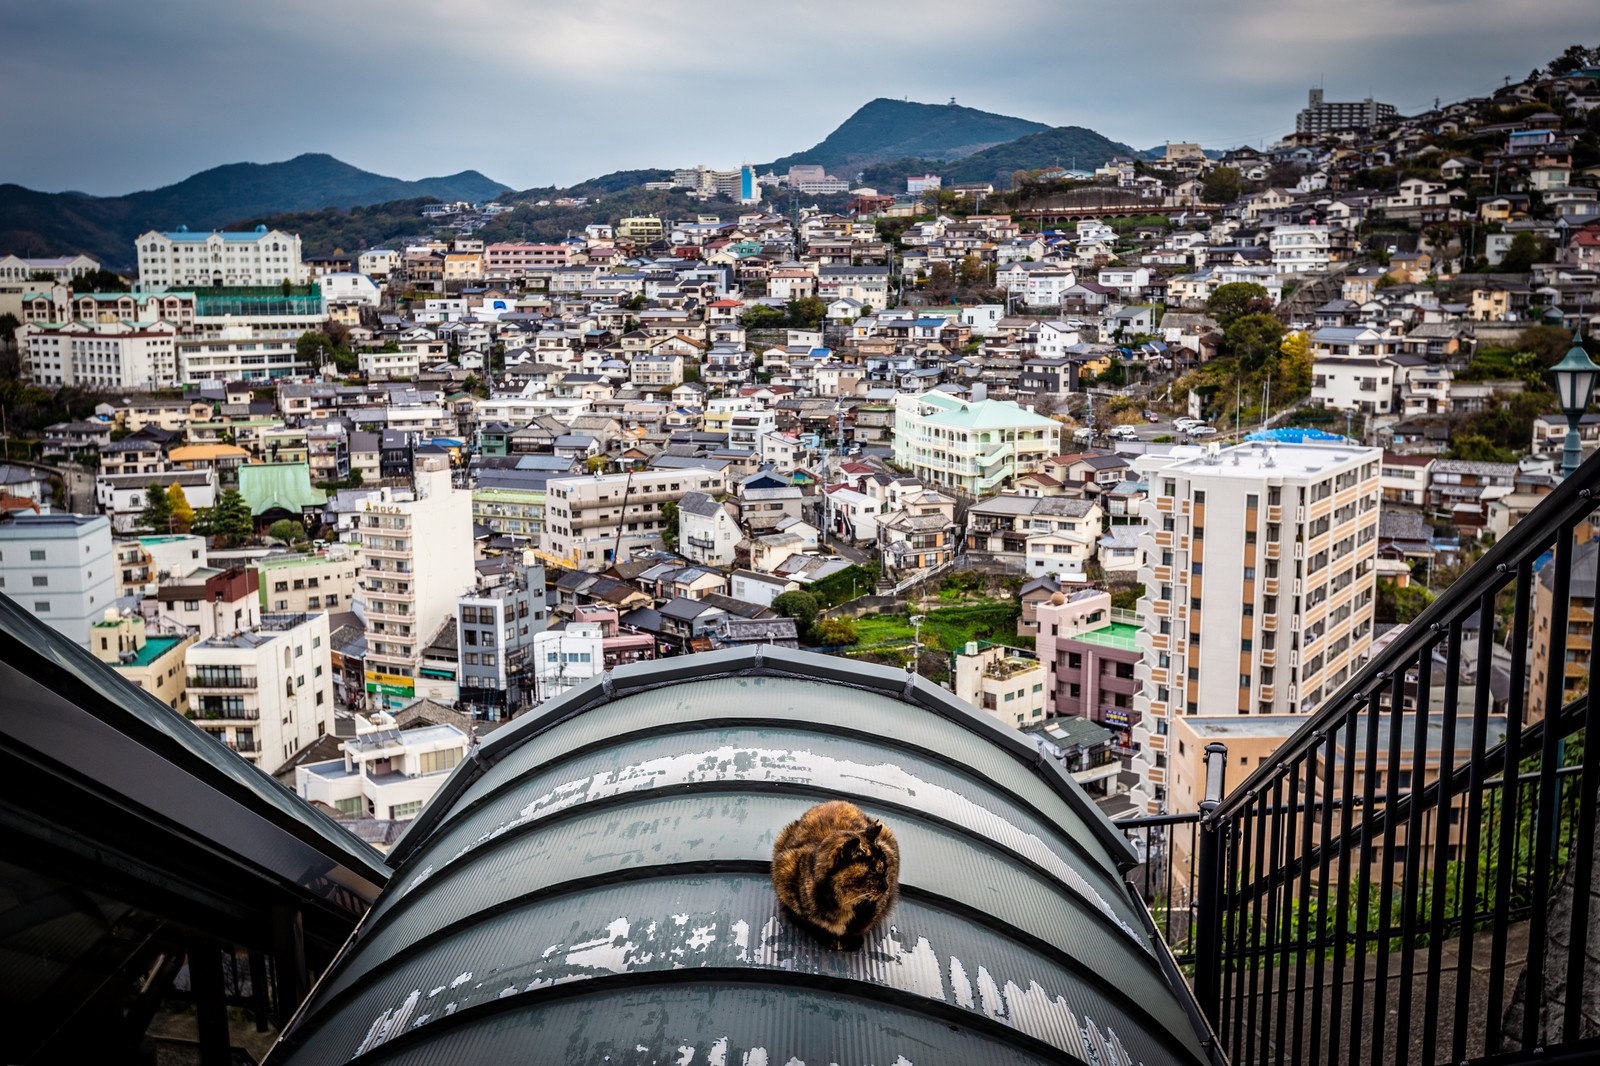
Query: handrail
1572, 500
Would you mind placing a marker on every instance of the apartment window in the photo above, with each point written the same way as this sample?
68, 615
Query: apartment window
1251, 501
37, 555
430, 762
1199, 498
1197, 569
405, 810
41, 607
353, 806
40, 581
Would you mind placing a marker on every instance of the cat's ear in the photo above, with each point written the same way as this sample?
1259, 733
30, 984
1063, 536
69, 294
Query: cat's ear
873, 829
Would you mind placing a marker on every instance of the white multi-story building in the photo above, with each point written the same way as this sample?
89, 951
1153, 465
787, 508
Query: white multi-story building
1259, 571
594, 520
384, 366
416, 559
708, 532
567, 657
386, 772
1300, 249
61, 568
184, 259
975, 446
348, 287
109, 355
238, 352
378, 262
265, 692
62, 267
325, 581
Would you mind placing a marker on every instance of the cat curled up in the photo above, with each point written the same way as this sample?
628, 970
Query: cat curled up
837, 873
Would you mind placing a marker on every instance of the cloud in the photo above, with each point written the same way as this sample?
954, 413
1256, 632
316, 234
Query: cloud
534, 92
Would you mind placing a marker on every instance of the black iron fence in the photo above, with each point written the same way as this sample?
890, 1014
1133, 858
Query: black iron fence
1408, 880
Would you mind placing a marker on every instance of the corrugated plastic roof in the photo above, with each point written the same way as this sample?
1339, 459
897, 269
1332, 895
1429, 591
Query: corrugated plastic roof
593, 886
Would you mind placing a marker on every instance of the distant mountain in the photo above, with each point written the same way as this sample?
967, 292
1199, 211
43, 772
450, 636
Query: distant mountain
37, 223
1064, 146
886, 130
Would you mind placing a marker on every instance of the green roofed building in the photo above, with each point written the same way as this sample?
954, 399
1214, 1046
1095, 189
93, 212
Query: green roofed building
279, 490
973, 445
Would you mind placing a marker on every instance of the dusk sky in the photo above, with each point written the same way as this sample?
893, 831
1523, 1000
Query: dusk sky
110, 100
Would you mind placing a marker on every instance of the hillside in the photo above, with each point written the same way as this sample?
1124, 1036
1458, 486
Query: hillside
37, 223
883, 130
1065, 146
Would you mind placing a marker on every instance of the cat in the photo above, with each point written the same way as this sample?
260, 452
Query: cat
837, 873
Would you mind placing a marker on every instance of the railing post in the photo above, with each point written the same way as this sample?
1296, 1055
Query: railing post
1209, 889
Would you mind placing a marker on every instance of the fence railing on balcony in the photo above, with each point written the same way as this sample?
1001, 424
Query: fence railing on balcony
1409, 878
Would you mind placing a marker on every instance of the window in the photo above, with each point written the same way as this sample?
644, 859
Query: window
430, 762
37, 555
40, 582
353, 806
41, 607
405, 810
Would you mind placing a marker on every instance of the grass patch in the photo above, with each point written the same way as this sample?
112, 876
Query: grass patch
949, 628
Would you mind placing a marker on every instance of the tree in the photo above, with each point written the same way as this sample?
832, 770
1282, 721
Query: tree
1397, 603
101, 280
1253, 340
1526, 250
287, 530
157, 514
1575, 58
1548, 343
9, 325
974, 273
314, 347
228, 521
763, 317
1237, 299
1220, 185
669, 525
799, 605
1476, 448
1294, 364
941, 281
807, 312
834, 632
182, 515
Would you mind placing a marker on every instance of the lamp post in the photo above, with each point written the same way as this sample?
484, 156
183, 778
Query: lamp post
1575, 380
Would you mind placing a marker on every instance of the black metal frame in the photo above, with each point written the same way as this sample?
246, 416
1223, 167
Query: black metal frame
1384, 898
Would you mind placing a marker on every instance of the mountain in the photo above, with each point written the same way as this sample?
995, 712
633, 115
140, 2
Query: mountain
37, 223
883, 130
1065, 146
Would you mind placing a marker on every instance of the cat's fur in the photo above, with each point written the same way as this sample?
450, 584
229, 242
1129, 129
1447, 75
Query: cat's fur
837, 873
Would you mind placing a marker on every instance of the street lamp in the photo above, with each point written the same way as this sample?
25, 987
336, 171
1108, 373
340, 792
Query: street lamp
1575, 380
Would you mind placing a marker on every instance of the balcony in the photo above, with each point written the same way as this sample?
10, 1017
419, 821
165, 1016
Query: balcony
220, 683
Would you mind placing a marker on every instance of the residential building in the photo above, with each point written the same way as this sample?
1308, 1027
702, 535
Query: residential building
1579, 641
63, 268
207, 602
1002, 683
1092, 652
1300, 249
1325, 116
106, 355
565, 658
708, 529
265, 692
975, 446
1404, 479
1259, 576
154, 662
386, 773
303, 583
495, 631
591, 520
1344, 383
182, 259
416, 559
61, 567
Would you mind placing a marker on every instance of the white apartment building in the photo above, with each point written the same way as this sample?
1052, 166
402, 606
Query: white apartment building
61, 568
386, 772
595, 520
183, 259
265, 692
110, 355
63, 267
1350, 383
378, 262
237, 352
1259, 570
975, 446
348, 287
416, 559
1300, 249
567, 657
708, 532
387, 366
301, 584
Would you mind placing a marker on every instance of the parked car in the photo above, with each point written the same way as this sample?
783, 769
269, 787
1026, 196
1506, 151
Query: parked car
1201, 431
1123, 433
1186, 423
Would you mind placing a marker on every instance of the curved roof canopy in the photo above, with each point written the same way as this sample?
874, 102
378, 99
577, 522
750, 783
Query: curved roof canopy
593, 886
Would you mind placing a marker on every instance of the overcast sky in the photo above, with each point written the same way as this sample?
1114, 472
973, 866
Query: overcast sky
533, 92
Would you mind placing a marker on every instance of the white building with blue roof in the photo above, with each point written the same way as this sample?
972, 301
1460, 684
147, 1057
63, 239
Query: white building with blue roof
184, 258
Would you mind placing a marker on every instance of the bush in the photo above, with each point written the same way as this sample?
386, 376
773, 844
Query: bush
286, 530
834, 632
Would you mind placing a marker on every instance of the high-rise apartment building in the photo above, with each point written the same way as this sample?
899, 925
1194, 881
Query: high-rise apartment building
1322, 116
61, 567
495, 631
592, 520
1259, 571
416, 558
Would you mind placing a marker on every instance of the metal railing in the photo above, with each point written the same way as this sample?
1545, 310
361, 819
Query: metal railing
1400, 882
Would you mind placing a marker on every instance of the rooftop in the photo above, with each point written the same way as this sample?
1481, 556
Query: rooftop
1118, 635
1257, 460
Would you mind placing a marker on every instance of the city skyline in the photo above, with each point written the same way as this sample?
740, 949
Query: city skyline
731, 85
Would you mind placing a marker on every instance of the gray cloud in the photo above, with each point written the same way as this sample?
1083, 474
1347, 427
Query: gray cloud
533, 92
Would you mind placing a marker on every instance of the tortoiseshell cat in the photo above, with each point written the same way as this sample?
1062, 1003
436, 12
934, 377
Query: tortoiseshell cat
837, 873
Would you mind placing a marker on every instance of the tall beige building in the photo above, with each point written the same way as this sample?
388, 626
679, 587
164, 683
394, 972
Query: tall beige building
590, 520
416, 558
1259, 571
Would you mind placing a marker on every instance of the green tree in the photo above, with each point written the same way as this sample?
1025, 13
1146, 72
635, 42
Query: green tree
834, 632
1398, 603
1294, 364
1476, 448
761, 316
799, 605
182, 515
806, 312
1221, 185
1254, 340
941, 282
157, 514
8, 327
1548, 343
1526, 250
314, 347
975, 273
287, 530
669, 525
229, 520
101, 280
1237, 299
